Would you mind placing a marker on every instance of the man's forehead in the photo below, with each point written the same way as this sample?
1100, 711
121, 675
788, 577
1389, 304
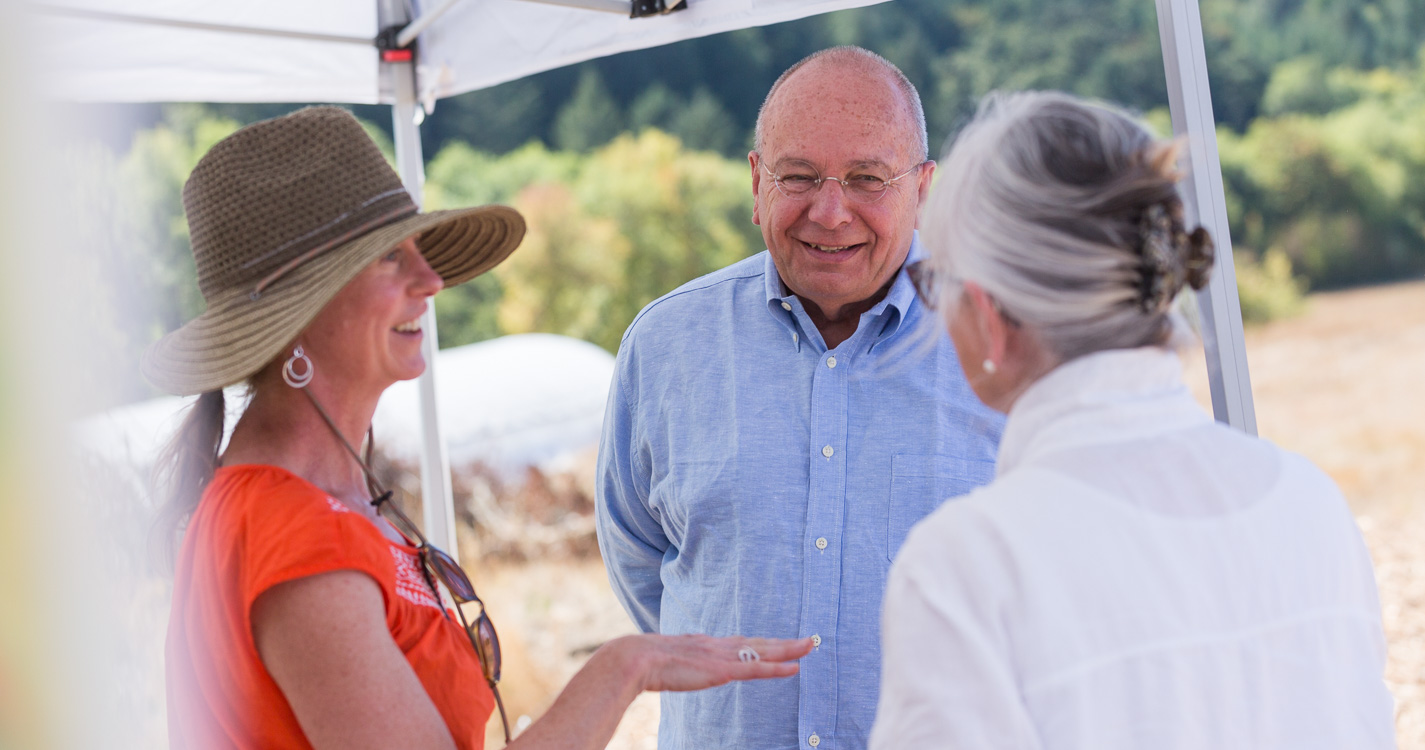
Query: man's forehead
792, 159
839, 115
839, 146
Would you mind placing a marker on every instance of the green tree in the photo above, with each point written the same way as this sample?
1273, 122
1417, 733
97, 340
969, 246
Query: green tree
498, 119
654, 108
684, 214
461, 176
568, 273
608, 232
701, 123
591, 118
1099, 48
1338, 193
1297, 86
704, 125
470, 312
137, 268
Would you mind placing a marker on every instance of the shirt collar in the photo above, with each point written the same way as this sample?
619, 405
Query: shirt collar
893, 310
781, 303
901, 297
1105, 397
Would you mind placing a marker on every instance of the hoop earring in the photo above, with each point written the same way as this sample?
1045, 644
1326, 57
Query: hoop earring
289, 369
990, 366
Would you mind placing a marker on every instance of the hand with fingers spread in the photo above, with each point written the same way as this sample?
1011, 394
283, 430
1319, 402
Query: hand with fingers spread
587, 712
694, 662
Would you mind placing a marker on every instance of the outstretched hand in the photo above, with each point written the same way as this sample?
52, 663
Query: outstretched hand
591, 705
694, 662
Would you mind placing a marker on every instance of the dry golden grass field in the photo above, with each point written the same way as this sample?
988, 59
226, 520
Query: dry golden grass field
1341, 383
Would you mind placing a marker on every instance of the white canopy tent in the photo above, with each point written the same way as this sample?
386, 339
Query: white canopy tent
409, 53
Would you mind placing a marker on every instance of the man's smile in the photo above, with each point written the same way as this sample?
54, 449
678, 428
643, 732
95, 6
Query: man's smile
830, 249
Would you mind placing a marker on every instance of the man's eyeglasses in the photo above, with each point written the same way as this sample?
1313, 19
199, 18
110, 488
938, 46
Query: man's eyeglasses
798, 179
437, 565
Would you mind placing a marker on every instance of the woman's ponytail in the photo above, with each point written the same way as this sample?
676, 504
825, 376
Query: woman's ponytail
186, 465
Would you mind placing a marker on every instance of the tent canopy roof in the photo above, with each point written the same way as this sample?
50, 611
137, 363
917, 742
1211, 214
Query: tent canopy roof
324, 50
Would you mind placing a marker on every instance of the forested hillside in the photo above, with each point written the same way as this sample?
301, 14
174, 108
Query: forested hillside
1320, 103
707, 91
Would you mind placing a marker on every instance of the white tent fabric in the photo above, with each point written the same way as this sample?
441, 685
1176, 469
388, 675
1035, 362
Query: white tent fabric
184, 51
323, 50
480, 43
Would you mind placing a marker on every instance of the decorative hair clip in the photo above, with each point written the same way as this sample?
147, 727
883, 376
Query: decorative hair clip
1160, 272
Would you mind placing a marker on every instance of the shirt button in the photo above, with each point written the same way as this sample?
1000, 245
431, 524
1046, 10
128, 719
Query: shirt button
831, 362
794, 338
821, 542
815, 641
813, 740
786, 305
827, 451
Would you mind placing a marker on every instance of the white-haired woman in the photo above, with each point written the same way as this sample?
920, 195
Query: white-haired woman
308, 611
1137, 575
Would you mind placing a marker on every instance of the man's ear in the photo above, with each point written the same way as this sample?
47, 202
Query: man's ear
922, 188
753, 160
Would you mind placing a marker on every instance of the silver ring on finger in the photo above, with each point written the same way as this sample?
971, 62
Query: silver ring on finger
747, 653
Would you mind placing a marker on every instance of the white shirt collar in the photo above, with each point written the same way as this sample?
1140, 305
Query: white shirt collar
1104, 397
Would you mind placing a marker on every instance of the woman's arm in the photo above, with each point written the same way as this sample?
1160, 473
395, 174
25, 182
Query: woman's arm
589, 709
324, 640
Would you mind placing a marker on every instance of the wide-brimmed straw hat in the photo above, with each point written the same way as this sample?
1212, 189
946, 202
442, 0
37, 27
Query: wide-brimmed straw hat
284, 213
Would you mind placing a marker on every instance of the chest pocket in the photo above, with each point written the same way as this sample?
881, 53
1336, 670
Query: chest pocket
920, 483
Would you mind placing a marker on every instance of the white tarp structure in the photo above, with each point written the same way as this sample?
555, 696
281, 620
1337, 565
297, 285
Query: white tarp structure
327, 51
515, 401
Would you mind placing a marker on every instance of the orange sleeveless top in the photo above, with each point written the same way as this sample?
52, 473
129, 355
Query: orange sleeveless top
256, 527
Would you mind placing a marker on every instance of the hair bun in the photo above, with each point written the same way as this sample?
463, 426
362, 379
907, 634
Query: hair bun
1198, 256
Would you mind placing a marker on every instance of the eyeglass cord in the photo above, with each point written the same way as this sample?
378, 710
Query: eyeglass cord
379, 492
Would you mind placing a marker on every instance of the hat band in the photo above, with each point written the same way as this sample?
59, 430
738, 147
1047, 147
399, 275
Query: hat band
389, 217
344, 216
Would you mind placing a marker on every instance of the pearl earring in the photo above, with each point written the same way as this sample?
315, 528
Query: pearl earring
990, 366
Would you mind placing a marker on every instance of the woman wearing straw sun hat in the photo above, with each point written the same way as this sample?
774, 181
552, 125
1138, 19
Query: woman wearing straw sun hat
308, 611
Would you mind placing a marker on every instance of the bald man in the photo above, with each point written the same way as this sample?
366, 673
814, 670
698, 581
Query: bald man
776, 427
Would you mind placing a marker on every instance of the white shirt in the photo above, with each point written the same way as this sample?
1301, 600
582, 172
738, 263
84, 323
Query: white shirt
1137, 576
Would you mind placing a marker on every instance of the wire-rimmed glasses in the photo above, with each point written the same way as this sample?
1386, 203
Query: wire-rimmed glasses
798, 179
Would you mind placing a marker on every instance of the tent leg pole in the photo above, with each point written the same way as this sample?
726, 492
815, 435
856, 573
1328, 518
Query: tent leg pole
438, 519
1190, 101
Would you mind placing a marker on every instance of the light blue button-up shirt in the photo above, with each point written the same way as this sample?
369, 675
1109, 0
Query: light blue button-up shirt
753, 482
